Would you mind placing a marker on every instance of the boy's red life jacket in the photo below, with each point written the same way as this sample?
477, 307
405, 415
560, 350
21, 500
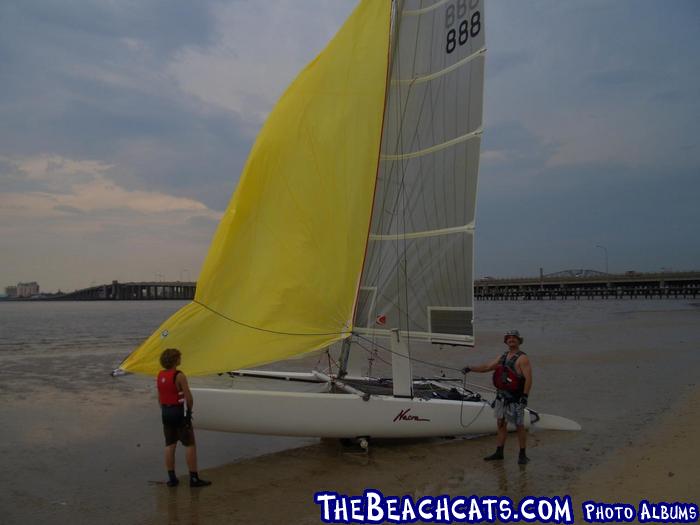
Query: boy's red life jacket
505, 377
167, 389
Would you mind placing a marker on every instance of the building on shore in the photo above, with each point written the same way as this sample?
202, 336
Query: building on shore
26, 289
11, 291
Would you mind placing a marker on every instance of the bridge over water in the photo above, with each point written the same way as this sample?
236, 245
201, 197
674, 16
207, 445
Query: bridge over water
590, 284
568, 284
133, 291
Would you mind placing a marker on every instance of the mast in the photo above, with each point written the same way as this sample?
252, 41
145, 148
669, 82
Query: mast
395, 20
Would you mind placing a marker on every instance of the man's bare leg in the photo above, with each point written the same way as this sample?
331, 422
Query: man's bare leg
522, 436
502, 433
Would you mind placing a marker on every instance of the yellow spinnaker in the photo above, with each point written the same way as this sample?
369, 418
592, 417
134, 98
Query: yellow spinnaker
283, 269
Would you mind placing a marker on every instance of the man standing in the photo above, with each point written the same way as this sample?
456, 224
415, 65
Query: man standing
173, 393
512, 377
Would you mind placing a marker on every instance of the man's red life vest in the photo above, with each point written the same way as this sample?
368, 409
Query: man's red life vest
167, 389
505, 377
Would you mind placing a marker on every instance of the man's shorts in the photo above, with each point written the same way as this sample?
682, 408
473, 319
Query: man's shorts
513, 412
175, 428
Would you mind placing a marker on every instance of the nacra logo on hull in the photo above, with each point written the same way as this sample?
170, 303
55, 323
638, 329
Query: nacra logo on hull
405, 416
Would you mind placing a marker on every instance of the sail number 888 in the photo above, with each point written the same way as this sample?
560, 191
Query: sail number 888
467, 26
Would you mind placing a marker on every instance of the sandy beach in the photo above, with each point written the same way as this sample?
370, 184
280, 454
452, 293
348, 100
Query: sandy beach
662, 464
82, 447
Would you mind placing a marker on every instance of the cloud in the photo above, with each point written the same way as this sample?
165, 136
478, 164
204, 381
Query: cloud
53, 172
515, 155
89, 80
68, 209
74, 219
84, 186
256, 54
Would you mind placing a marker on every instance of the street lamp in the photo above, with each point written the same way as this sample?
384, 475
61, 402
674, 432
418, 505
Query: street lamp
605, 250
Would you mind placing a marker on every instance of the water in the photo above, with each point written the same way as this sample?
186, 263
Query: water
77, 443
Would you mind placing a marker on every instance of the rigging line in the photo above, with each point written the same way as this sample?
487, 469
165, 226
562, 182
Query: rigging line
407, 198
375, 355
421, 361
372, 354
431, 90
401, 197
398, 307
400, 117
414, 191
461, 408
433, 100
257, 327
401, 190
400, 172
466, 383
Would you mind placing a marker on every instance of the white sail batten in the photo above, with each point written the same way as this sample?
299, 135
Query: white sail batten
418, 270
467, 228
437, 74
422, 11
436, 147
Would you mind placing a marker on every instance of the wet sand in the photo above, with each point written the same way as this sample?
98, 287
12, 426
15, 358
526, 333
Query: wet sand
663, 466
81, 447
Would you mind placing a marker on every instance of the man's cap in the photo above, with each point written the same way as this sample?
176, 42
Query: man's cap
513, 333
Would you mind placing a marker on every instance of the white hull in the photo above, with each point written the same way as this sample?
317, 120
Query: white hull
342, 415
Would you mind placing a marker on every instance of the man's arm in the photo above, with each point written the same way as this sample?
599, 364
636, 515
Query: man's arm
526, 371
487, 367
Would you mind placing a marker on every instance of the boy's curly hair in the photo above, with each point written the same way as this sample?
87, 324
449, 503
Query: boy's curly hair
169, 358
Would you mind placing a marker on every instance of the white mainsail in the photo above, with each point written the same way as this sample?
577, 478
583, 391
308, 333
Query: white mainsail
418, 274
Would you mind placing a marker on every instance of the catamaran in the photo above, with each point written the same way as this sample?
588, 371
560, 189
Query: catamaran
352, 226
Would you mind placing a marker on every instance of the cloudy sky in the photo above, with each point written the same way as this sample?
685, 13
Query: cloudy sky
124, 126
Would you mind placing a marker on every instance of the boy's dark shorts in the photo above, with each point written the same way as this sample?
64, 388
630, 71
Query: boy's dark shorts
174, 427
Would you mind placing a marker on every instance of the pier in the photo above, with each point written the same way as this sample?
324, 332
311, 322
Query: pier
132, 291
589, 284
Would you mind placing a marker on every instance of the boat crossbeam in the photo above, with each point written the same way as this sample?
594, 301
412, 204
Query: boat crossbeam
343, 386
